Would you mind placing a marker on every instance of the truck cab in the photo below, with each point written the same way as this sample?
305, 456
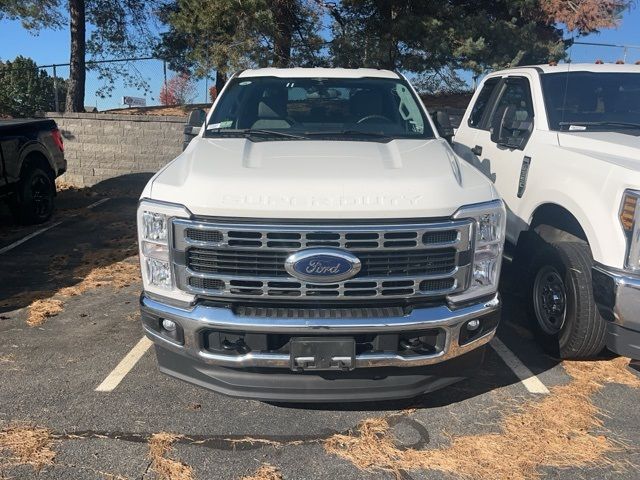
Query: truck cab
561, 144
319, 241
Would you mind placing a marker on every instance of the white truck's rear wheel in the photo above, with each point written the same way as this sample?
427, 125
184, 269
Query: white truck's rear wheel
561, 304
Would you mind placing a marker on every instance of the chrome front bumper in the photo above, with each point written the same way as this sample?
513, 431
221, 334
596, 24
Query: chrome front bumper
200, 318
617, 295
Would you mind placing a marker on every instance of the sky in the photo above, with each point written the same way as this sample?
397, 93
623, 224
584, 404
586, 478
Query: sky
52, 46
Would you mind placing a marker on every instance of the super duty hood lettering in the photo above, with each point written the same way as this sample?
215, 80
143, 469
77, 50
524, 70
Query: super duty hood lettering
318, 201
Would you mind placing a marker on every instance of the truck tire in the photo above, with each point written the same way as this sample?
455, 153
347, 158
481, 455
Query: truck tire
561, 305
33, 202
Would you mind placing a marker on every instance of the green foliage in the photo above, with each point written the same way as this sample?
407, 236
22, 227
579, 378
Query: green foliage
410, 35
34, 14
121, 28
431, 35
229, 35
444, 81
429, 38
118, 28
25, 90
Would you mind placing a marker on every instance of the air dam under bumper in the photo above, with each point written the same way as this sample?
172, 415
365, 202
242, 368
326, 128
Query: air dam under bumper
268, 375
617, 294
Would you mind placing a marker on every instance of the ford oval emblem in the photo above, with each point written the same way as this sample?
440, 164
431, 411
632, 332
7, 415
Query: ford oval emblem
322, 265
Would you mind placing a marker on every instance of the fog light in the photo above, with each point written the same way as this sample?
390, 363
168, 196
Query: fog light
473, 325
159, 273
168, 325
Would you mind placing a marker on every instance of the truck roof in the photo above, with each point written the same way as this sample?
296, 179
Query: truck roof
319, 73
16, 123
577, 67
21, 121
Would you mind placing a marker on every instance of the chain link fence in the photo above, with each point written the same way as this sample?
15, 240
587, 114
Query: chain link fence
109, 85
139, 83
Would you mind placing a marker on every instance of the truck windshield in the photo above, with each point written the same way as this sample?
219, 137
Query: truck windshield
588, 101
274, 108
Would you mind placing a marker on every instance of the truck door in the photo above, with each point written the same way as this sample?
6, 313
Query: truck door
507, 163
464, 142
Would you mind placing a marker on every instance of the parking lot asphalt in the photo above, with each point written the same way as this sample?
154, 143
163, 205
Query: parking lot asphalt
69, 316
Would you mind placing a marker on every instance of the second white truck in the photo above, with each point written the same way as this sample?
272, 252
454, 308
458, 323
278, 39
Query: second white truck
561, 143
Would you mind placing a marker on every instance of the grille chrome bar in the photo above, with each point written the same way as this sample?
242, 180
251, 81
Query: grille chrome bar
236, 261
383, 263
276, 288
290, 237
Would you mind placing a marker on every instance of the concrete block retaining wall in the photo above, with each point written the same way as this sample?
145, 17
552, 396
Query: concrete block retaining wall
102, 146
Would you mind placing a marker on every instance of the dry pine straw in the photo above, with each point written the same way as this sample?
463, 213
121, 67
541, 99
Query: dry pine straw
118, 275
265, 472
556, 431
26, 445
160, 445
40, 310
101, 268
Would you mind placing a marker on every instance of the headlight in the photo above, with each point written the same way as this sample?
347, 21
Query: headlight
154, 236
154, 226
630, 221
489, 230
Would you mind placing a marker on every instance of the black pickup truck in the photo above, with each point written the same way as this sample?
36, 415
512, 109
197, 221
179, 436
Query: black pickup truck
31, 158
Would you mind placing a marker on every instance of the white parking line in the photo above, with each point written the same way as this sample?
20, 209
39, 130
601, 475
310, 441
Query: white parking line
42, 230
529, 380
125, 366
99, 202
28, 237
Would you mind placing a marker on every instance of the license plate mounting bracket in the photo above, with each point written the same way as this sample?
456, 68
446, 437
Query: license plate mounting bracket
322, 353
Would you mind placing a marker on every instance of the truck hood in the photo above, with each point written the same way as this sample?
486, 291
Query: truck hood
617, 148
320, 179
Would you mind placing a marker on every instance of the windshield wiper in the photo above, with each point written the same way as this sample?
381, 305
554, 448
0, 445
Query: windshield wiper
348, 132
601, 124
253, 131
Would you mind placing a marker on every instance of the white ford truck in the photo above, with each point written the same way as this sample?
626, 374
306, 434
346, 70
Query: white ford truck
318, 241
561, 143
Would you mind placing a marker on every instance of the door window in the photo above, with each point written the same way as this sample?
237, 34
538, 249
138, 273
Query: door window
480, 107
511, 120
517, 94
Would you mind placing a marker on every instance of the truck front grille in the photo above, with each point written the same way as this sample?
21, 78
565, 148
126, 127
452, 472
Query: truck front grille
288, 240
268, 263
224, 260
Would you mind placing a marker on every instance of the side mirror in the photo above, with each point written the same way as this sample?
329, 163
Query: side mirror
196, 117
443, 124
511, 127
193, 126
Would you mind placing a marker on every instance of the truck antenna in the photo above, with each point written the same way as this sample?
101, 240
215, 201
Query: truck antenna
566, 86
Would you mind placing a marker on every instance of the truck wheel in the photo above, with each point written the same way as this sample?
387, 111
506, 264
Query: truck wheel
561, 306
34, 200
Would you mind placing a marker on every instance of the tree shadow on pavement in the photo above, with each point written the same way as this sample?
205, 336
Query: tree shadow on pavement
85, 245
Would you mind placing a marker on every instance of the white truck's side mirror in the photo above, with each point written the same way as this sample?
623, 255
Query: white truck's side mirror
443, 124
